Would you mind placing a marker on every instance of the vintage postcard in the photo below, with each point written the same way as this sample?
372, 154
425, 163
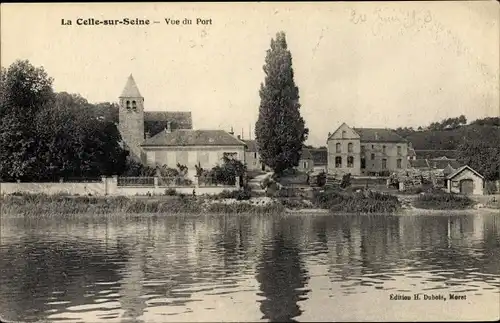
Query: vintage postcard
250, 162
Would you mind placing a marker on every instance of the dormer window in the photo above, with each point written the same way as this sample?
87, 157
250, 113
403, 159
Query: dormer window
134, 106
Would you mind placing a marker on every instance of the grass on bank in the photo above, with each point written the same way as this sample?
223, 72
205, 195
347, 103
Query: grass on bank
42, 205
365, 201
440, 200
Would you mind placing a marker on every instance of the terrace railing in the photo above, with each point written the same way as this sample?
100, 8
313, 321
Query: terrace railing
174, 181
136, 181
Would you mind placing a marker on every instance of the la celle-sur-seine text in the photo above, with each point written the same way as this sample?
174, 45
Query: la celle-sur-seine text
134, 22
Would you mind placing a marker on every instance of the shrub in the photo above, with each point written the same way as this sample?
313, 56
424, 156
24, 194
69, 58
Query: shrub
170, 191
346, 181
321, 179
364, 202
384, 173
242, 194
490, 188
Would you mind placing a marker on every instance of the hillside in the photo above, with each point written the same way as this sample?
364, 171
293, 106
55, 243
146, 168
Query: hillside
450, 139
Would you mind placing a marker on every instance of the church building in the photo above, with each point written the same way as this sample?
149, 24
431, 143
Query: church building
167, 138
136, 125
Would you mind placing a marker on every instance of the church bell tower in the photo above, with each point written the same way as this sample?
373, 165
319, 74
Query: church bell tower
131, 119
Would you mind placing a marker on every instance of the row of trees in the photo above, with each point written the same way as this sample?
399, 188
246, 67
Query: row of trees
46, 135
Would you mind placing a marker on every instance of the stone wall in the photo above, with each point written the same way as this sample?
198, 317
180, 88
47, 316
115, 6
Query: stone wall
108, 186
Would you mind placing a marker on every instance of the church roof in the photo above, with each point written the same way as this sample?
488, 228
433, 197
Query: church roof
131, 90
378, 135
185, 137
156, 121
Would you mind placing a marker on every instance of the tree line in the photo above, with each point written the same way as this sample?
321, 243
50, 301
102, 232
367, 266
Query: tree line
46, 135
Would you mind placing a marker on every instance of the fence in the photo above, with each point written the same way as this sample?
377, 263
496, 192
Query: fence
136, 181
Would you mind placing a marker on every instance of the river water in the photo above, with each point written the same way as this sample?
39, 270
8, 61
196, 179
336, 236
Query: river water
249, 268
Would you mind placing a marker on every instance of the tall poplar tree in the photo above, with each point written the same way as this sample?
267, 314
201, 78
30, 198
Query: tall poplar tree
280, 130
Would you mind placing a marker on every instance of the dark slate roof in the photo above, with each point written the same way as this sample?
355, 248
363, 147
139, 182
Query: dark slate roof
442, 163
436, 153
419, 163
320, 156
183, 137
131, 89
251, 145
378, 135
156, 121
306, 154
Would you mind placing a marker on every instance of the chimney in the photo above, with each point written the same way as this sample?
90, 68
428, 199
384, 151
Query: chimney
376, 135
148, 135
231, 132
168, 129
239, 137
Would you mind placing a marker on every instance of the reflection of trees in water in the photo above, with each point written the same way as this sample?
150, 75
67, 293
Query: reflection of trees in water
380, 243
282, 275
36, 269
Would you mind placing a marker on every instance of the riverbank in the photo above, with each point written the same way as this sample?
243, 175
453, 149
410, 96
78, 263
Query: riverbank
321, 202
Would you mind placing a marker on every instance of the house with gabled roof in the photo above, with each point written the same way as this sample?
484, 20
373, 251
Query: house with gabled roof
465, 180
191, 148
366, 151
135, 124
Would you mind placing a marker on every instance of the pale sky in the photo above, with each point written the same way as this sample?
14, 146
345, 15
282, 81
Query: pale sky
388, 65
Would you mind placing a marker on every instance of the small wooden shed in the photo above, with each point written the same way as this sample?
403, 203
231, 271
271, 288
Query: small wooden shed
465, 180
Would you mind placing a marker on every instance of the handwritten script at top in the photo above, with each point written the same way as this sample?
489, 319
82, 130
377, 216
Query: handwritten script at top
385, 16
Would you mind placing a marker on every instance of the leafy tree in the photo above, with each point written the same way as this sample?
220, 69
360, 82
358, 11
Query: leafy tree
490, 121
24, 91
45, 135
482, 155
227, 172
280, 130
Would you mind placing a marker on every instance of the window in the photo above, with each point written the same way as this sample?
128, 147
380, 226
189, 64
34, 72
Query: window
372, 157
338, 162
373, 146
383, 149
128, 105
363, 163
398, 162
305, 165
134, 106
343, 134
349, 147
362, 149
337, 147
399, 150
350, 162
384, 163
255, 155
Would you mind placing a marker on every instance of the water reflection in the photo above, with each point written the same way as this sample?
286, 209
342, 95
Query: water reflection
246, 268
282, 275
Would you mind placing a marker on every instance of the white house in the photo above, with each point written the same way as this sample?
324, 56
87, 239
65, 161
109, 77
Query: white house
465, 180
